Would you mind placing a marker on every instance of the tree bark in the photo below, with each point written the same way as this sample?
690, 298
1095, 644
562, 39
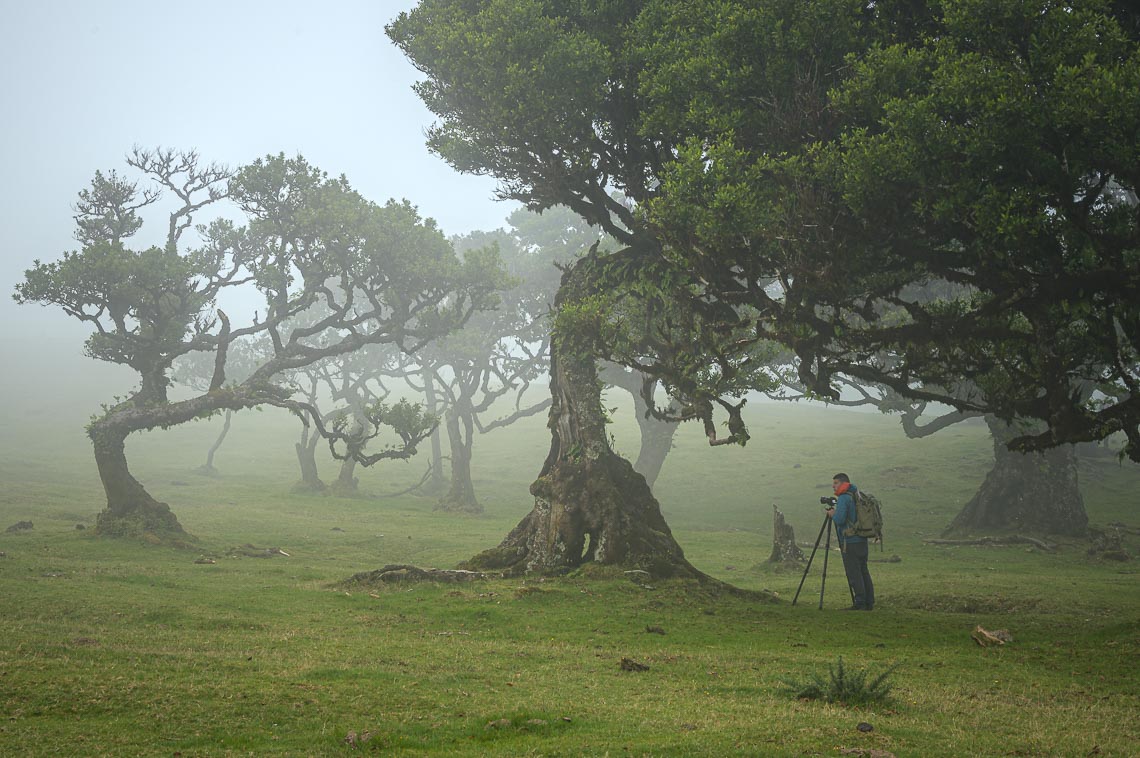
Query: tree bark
590, 505
130, 511
1028, 492
460, 497
784, 547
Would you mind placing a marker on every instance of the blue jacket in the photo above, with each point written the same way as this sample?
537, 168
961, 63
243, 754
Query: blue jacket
845, 516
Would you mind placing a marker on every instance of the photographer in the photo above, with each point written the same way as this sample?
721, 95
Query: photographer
854, 547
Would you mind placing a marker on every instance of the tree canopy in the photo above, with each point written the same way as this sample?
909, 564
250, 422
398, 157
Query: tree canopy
796, 171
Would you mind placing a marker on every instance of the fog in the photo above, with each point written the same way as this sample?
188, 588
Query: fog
84, 82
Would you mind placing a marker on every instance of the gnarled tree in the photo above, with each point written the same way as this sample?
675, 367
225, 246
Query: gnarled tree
377, 273
836, 149
541, 100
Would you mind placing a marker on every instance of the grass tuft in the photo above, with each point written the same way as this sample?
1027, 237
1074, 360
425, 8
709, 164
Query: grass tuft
843, 685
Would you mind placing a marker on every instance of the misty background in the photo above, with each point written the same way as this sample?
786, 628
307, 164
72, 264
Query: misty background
84, 82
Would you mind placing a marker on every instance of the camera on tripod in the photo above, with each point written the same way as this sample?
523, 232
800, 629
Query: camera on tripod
828, 501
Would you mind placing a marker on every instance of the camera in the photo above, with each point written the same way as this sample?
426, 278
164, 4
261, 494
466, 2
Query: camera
828, 501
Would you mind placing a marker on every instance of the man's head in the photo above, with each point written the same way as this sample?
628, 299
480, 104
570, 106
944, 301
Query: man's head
838, 481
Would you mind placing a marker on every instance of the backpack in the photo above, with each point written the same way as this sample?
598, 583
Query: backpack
868, 518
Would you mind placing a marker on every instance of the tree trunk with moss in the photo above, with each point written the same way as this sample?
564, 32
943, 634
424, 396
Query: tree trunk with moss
1029, 492
130, 511
590, 505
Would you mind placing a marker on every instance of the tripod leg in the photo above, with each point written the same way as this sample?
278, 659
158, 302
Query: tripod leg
810, 559
826, 550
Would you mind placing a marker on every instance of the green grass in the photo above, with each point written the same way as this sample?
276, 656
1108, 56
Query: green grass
120, 648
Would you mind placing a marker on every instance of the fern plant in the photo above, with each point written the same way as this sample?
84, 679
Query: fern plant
842, 685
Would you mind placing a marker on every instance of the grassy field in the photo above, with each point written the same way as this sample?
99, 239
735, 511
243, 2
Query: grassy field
120, 648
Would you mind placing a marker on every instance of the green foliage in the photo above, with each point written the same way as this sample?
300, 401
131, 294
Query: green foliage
842, 685
796, 171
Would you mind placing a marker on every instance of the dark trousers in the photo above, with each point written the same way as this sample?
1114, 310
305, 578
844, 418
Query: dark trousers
855, 564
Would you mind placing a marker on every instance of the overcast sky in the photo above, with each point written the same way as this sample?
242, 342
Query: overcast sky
83, 82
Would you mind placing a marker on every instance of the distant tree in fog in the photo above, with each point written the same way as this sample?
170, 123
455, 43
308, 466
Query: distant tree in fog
497, 354
196, 370
379, 274
343, 389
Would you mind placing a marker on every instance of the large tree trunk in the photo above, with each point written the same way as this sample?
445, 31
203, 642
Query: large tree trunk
460, 497
1029, 492
590, 505
131, 511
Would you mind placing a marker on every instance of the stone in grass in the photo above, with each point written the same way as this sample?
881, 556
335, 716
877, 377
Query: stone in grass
628, 664
354, 740
987, 638
19, 526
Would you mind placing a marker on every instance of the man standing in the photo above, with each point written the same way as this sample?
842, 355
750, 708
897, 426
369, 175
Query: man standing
854, 547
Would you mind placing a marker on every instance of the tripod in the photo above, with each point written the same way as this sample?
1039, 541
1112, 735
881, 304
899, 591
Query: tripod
826, 527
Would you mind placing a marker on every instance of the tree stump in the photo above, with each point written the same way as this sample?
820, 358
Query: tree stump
784, 548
